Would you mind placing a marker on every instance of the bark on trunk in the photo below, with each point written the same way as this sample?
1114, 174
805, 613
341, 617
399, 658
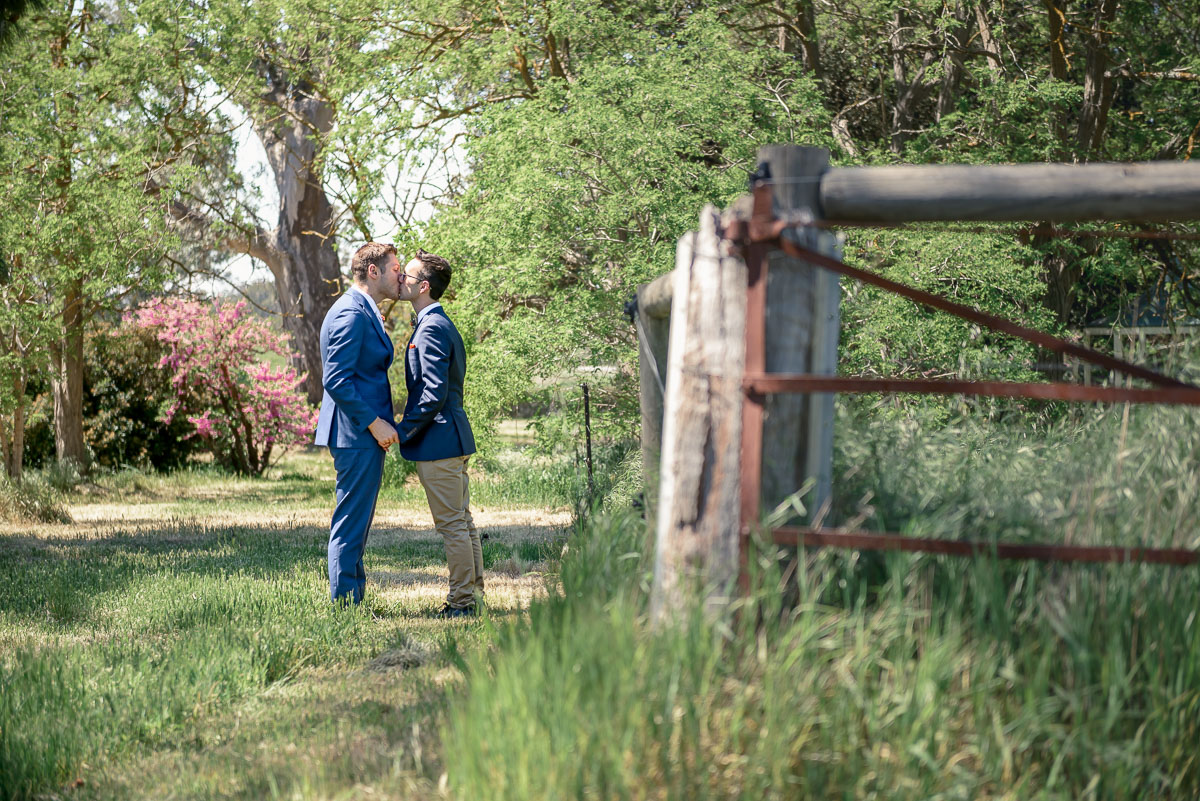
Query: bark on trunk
988, 41
1056, 18
910, 91
68, 380
301, 254
952, 63
1097, 85
800, 36
12, 442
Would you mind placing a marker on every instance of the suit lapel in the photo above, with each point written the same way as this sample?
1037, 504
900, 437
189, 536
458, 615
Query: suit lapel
378, 324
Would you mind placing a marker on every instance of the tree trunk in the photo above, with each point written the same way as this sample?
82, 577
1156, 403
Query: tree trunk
303, 256
988, 41
68, 380
910, 91
12, 443
805, 42
1056, 20
1097, 86
957, 38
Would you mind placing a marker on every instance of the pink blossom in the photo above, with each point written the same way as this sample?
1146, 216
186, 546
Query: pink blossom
239, 403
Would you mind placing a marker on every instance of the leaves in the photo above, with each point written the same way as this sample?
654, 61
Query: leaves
241, 405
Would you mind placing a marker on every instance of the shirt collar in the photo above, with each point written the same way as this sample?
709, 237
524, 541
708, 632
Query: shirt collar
370, 301
421, 314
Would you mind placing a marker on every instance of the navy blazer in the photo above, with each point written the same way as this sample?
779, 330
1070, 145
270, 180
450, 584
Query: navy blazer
435, 363
355, 355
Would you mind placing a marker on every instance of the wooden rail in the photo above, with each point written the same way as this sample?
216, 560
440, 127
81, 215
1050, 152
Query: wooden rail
783, 341
1148, 192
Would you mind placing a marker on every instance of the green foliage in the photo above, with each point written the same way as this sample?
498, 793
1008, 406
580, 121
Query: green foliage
885, 334
80, 227
905, 676
1103, 478
579, 192
397, 470
207, 631
126, 395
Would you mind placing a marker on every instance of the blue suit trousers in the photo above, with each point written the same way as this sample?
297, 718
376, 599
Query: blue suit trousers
359, 476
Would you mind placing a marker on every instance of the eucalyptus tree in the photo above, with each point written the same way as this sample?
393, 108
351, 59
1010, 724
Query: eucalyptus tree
78, 229
310, 79
11, 12
593, 133
978, 81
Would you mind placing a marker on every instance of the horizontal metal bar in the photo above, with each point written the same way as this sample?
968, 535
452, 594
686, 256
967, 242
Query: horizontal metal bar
1133, 330
776, 383
991, 321
1164, 190
870, 541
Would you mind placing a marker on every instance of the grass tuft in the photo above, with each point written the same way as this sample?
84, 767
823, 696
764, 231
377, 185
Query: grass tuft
31, 500
883, 675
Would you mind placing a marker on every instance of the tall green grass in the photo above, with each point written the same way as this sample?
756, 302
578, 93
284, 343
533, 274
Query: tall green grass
193, 645
898, 676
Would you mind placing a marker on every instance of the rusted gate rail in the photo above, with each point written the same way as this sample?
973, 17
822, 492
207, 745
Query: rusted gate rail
762, 233
709, 383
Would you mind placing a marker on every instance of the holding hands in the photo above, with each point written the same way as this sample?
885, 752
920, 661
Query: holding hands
384, 433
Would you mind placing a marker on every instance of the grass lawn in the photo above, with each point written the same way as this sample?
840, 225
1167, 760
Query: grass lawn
176, 640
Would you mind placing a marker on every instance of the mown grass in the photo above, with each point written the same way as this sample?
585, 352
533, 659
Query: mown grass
176, 639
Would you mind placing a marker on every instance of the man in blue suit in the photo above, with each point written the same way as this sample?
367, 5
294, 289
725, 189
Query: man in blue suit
356, 410
434, 431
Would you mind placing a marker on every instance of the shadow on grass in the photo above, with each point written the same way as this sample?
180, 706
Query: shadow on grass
63, 582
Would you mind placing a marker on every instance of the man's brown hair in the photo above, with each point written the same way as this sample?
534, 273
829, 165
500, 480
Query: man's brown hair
371, 253
436, 271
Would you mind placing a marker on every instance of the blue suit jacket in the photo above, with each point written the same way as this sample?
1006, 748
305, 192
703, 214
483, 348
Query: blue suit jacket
435, 363
355, 355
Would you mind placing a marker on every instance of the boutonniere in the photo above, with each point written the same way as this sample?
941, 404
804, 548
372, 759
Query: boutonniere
412, 347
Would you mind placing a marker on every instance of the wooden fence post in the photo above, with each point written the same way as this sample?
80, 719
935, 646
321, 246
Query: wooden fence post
653, 328
697, 521
803, 304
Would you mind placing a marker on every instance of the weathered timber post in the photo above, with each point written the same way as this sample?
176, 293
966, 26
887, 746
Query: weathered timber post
697, 521
653, 328
803, 305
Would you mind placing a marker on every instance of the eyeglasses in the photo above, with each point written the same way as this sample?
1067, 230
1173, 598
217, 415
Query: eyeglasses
406, 276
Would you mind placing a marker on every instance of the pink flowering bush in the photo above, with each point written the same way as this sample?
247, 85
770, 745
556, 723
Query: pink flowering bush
244, 409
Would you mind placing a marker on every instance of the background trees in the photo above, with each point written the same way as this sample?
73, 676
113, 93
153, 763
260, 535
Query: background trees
554, 151
79, 229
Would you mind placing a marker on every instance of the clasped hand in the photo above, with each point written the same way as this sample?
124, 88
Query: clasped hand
384, 433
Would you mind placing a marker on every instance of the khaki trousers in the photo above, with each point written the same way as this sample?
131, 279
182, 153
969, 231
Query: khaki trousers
449, 493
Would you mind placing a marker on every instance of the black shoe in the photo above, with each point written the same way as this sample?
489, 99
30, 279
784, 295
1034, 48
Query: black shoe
456, 611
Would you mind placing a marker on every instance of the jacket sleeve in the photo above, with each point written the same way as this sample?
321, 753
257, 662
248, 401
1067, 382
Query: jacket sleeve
346, 334
433, 354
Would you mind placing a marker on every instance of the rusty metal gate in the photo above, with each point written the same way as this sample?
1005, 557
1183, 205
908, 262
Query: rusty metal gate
762, 233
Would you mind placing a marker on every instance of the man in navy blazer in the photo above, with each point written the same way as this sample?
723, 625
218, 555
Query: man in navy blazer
356, 410
434, 431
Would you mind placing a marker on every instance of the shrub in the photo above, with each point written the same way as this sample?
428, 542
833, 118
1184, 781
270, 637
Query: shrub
125, 399
397, 469
241, 406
